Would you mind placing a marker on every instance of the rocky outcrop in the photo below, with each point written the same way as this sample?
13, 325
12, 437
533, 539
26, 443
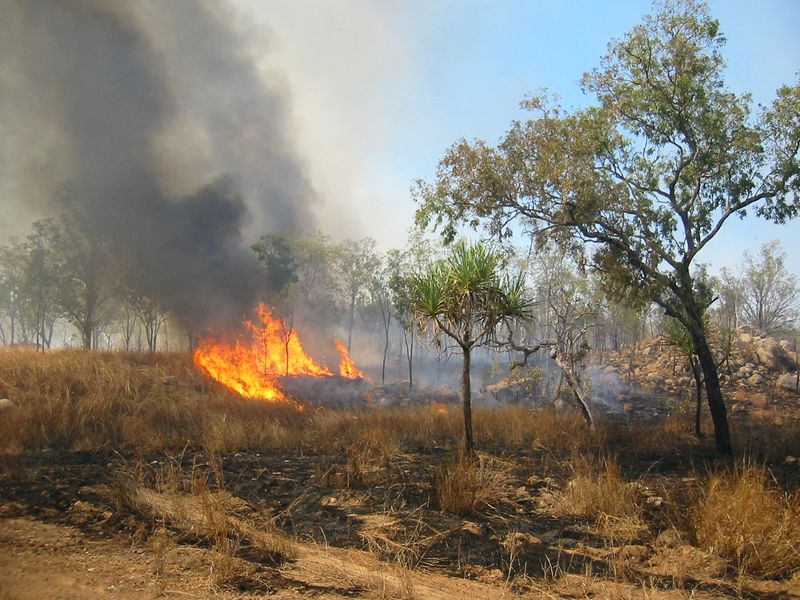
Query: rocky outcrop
773, 354
788, 381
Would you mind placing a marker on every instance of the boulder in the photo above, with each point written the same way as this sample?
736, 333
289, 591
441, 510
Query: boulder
788, 381
771, 355
654, 378
755, 379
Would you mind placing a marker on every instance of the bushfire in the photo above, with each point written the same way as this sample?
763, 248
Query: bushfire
251, 365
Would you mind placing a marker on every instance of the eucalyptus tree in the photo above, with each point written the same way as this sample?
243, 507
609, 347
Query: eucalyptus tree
356, 265
564, 293
466, 298
12, 261
87, 276
419, 250
768, 291
381, 296
40, 285
644, 179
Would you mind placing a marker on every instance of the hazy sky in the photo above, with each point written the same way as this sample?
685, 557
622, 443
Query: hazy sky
381, 89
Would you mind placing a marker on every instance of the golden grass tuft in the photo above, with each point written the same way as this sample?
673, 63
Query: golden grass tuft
743, 519
598, 490
473, 484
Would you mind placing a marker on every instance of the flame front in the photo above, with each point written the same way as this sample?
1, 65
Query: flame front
347, 368
251, 365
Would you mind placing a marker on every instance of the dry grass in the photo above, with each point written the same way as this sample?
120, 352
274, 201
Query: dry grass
743, 519
597, 490
404, 539
140, 405
473, 484
191, 504
77, 400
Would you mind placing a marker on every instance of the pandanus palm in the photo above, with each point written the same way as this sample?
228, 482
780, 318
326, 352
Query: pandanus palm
466, 297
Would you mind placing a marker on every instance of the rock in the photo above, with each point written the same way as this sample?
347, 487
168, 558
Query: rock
788, 381
745, 338
771, 355
5, 403
787, 345
755, 379
790, 460
654, 378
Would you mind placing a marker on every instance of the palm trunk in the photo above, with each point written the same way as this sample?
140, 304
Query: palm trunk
410, 357
466, 401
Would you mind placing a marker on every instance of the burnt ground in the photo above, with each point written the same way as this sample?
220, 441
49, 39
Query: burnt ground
67, 520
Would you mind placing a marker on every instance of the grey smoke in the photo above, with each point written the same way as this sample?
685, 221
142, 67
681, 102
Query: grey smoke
165, 127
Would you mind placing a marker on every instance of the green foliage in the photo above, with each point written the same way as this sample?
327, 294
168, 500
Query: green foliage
466, 296
275, 251
647, 176
299, 274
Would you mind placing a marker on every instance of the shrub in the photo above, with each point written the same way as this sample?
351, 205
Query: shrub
472, 484
744, 520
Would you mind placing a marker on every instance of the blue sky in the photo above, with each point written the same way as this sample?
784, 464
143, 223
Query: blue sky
381, 89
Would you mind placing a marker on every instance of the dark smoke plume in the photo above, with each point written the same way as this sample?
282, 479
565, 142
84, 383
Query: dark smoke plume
165, 130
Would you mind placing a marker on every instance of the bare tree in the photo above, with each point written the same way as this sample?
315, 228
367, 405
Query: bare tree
768, 291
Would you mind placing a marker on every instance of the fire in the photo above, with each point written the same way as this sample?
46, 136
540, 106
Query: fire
438, 407
347, 368
251, 365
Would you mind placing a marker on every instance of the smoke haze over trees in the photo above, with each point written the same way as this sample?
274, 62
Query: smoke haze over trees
169, 142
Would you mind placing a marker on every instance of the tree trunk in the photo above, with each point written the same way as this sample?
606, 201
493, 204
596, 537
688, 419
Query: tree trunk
466, 401
386, 327
87, 335
350, 326
716, 405
577, 390
698, 394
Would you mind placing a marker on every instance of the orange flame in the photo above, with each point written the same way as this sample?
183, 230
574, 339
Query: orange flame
251, 367
438, 407
347, 368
